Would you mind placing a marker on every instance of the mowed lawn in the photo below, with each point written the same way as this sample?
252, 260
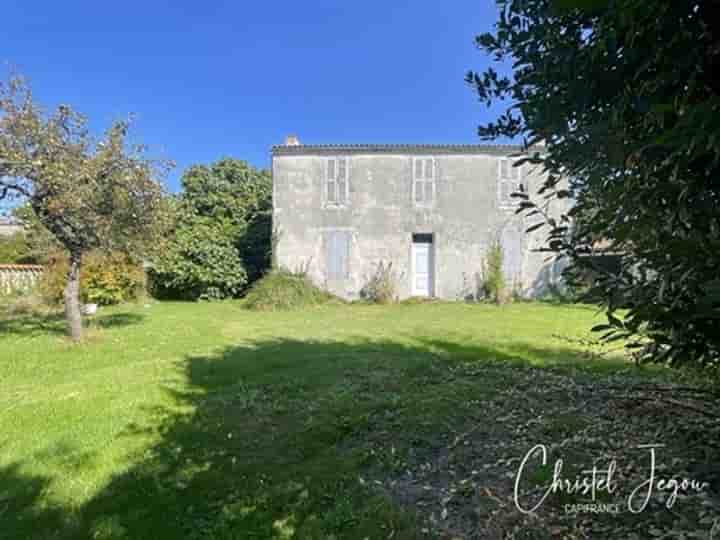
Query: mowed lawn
179, 420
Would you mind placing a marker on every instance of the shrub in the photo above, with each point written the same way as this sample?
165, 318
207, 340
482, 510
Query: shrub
15, 249
107, 278
221, 236
19, 304
200, 262
281, 289
111, 279
382, 286
417, 300
494, 286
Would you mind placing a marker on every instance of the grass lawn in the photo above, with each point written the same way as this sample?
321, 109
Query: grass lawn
209, 421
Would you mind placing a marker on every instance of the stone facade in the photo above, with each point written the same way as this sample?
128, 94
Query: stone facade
430, 210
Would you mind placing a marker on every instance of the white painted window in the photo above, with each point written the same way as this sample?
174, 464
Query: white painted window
337, 181
510, 180
424, 172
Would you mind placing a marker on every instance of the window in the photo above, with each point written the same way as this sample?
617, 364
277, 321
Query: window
510, 180
423, 181
337, 181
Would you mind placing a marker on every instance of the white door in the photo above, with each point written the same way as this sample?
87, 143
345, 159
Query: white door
422, 269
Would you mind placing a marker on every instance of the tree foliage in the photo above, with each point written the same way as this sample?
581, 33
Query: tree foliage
222, 234
107, 278
624, 95
88, 193
15, 249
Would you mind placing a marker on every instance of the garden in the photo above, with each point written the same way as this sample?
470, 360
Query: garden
162, 377
211, 420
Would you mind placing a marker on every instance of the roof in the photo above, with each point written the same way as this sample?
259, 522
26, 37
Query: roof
328, 149
24, 267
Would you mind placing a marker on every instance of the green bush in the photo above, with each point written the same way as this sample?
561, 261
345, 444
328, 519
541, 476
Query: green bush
15, 249
494, 286
105, 279
282, 289
222, 233
382, 286
200, 262
23, 303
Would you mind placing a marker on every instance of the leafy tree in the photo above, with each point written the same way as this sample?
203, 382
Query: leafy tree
625, 96
88, 193
222, 234
40, 244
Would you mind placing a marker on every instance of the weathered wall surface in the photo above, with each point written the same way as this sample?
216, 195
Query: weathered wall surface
16, 278
381, 216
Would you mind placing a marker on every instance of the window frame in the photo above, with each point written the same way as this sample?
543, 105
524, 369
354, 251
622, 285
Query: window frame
424, 180
515, 179
336, 182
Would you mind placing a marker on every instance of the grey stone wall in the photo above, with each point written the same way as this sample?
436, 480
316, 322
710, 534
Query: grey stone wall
381, 216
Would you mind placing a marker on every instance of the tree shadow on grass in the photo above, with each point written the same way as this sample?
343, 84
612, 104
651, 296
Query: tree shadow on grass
21, 504
270, 439
54, 323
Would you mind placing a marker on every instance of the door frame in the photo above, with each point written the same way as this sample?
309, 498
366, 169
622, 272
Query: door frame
431, 263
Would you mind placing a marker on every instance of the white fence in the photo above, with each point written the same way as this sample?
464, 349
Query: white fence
18, 277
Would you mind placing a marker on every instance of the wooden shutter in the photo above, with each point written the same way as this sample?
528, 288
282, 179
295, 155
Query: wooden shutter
337, 254
342, 180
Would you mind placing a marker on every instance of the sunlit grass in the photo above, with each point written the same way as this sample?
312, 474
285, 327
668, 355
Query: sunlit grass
207, 420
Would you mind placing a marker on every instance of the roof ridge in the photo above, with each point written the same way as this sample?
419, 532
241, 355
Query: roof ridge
481, 145
477, 147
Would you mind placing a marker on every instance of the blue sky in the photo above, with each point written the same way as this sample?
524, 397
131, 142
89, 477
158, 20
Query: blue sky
213, 79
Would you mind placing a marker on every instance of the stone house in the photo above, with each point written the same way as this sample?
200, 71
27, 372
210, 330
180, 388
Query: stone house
340, 211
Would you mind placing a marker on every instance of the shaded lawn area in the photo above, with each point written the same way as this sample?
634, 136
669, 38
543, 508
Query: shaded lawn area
208, 421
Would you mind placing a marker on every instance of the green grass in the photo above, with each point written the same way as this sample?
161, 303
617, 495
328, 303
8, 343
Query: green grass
180, 420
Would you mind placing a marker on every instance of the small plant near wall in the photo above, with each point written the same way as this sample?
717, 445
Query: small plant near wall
381, 288
494, 287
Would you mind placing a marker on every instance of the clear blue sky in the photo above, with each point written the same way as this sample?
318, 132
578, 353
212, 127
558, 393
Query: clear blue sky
211, 79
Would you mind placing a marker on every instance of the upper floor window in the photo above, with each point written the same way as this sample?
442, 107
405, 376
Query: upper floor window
423, 181
337, 181
510, 180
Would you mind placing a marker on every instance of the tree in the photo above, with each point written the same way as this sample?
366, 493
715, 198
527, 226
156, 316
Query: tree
222, 234
625, 96
88, 193
42, 247
237, 195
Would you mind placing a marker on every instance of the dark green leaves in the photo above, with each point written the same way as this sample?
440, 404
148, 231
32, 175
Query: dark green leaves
222, 237
624, 96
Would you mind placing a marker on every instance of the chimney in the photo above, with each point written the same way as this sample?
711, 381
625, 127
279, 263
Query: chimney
292, 140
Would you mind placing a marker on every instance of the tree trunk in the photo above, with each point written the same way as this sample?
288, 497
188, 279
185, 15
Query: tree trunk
72, 298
